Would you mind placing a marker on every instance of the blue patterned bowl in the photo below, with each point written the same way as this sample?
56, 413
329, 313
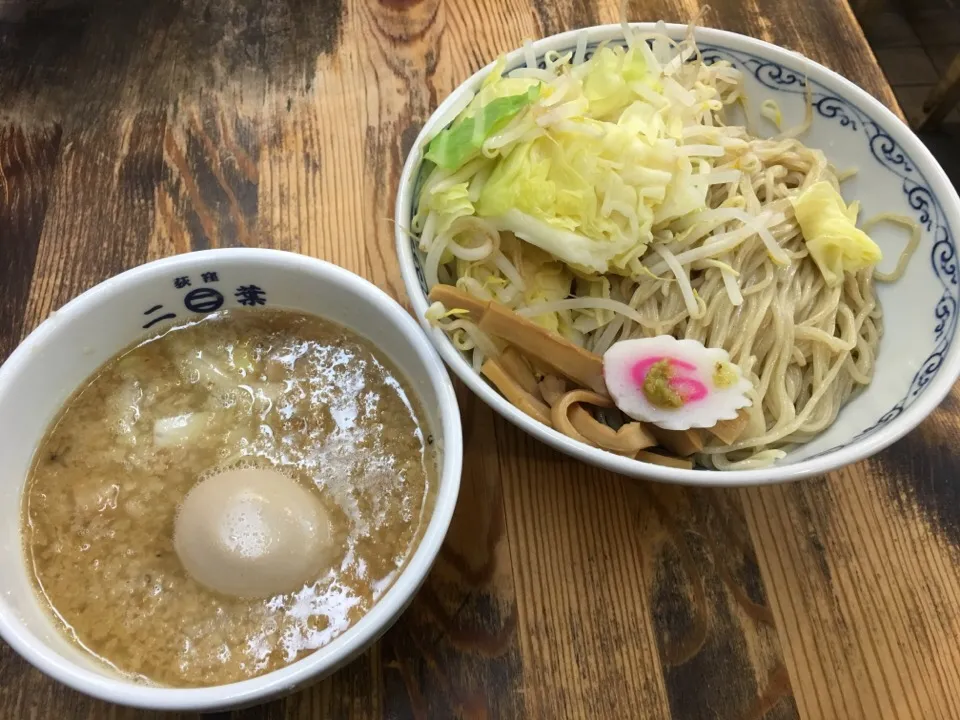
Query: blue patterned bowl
918, 359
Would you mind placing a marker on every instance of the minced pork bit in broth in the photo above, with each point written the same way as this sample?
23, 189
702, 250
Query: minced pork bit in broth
270, 389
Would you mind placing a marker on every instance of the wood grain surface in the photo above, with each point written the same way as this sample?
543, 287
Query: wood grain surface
134, 129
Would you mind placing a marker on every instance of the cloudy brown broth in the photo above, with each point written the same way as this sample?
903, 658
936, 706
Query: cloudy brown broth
240, 388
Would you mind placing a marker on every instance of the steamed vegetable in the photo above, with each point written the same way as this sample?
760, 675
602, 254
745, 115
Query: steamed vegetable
461, 142
584, 161
834, 241
449, 204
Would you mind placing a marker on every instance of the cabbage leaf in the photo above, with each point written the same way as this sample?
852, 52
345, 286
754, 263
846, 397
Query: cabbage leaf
835, 243
462, 141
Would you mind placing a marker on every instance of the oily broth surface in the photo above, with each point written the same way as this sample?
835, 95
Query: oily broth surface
263, 388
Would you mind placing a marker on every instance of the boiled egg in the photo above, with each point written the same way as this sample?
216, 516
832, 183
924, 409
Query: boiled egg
253, 532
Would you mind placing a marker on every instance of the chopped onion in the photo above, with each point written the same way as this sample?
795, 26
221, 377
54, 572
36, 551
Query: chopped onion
180, 430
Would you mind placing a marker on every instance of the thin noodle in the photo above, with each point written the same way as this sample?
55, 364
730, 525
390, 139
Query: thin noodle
908, 251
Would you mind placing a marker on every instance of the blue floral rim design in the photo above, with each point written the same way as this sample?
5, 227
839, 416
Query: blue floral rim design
915, 186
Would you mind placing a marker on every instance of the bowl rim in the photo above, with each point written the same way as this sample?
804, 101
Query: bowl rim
857, 449
366, 630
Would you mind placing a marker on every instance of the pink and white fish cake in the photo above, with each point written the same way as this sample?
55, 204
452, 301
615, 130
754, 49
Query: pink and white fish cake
674, 384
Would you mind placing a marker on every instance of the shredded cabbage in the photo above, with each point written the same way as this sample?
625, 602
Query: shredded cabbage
462, 141
834, 241
607, 81
449, 204
545, 280
582, 161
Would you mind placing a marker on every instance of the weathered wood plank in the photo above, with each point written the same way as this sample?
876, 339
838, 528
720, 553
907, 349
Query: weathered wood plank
99, 217
27, 160
562, 591
865, 596
584, 613
709, 606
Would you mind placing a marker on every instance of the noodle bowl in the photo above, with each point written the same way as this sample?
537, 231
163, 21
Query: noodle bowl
737, 274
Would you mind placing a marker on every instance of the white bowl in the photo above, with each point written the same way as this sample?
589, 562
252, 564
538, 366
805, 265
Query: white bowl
76, 340
918, 359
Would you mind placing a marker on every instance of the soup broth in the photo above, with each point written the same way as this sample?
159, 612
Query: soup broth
271, 389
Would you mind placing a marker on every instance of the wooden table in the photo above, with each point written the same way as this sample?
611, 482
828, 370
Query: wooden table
133, 129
